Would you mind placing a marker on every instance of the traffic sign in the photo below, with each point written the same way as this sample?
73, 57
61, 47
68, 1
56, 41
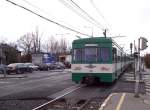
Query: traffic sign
143, 43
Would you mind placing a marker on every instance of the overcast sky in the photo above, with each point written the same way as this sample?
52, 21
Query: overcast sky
129, 18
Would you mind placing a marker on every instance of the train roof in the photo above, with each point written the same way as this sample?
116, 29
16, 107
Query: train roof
93, 40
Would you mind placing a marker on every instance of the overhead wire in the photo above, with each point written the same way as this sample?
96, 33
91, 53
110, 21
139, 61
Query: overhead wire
100, 13
68, 7
47, 19
82, 13
87, 14
76, 11
40, 9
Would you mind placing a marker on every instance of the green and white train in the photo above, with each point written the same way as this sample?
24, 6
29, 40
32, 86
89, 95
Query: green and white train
97, 58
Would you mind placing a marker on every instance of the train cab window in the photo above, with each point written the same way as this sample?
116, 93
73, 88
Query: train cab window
90, 54
77, 55
114, 54
118, 56
104, 54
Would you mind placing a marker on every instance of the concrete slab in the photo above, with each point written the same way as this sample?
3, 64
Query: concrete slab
126, 101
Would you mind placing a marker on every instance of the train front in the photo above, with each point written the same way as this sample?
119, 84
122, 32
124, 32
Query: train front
92, 60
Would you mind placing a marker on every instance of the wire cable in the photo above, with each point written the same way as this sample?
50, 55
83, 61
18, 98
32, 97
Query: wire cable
99, 12
34, 6
89, 16
46, 18
74, 7
77, 12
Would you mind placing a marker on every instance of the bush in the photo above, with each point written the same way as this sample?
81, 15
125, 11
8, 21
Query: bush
147, 60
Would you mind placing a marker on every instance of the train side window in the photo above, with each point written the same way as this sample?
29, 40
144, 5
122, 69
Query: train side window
104, 54
114, 51
118, 56
77, 55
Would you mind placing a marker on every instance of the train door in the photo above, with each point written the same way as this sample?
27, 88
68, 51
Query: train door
121, 61
115, 60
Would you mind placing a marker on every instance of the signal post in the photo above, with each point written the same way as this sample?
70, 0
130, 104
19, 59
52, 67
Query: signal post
142, 45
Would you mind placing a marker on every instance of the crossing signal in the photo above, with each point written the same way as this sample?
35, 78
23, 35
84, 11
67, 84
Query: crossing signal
143, 43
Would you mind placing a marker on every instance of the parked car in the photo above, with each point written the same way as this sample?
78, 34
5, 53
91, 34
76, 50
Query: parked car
3, 68
59, 65
43, 67
67, 64
18, 68
31, 65
51, 66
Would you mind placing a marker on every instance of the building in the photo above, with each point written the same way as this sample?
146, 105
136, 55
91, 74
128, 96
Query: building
9, 54
2, 56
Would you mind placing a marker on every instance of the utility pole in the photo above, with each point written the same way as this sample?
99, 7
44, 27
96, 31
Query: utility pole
135, 60
142, 44
131, 46
137, 72
104, 33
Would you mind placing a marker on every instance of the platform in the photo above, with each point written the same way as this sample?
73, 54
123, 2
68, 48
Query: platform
126, 101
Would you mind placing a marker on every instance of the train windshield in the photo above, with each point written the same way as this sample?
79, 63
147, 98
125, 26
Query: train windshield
104, 54
90, 55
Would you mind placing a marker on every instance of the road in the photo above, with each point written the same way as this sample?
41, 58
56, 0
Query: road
31, 87
26, 91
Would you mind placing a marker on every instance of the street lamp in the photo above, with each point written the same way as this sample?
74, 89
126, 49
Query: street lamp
63, 34
118, 36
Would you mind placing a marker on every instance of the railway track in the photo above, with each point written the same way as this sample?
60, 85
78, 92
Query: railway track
58, 101
65, 104
79, 98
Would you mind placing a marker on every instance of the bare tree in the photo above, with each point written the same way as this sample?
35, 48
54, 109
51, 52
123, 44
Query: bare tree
63, 46
69, 50
36, 41
30, 42
3, 40
25, 43
55, 46
52, 44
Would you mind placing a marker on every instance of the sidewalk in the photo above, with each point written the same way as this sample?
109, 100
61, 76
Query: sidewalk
128, 101
13, 76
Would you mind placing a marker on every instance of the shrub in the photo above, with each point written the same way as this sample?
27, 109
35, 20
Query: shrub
147, 60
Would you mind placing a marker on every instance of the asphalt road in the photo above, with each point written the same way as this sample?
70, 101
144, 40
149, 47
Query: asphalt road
23, 92
26, 91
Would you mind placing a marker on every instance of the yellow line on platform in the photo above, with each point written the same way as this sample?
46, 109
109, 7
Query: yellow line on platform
121, 101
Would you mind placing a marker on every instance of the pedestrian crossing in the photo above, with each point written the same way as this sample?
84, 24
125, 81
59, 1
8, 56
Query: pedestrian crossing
128, 76
146, 78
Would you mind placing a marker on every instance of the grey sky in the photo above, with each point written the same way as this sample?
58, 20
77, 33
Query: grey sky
122, 17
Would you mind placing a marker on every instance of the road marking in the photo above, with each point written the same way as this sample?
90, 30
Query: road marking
147, 86
147, 90
106, 101
147, 83
4, 82
147, 93
121, 101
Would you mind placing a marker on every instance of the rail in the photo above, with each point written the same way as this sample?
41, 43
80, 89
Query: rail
57, 98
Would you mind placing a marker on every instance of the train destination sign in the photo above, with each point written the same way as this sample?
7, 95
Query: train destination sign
92, 45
